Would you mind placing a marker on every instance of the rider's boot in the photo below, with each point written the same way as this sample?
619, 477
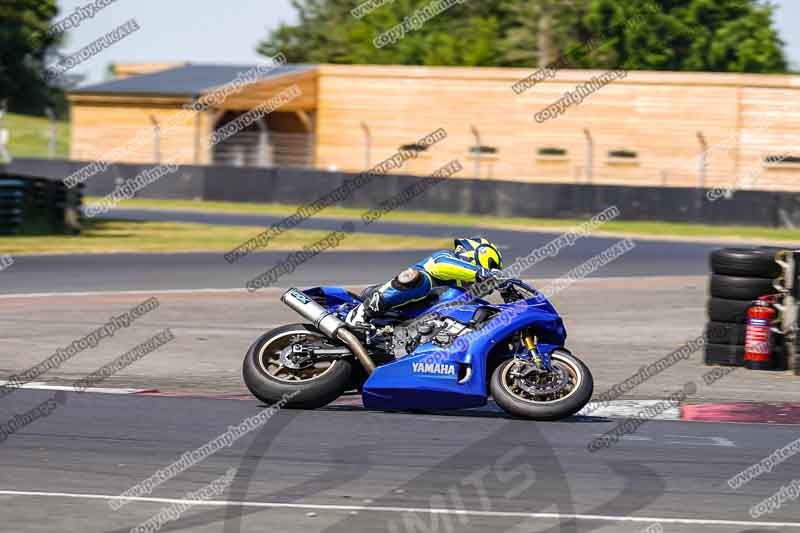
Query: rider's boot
357, 317
373, 305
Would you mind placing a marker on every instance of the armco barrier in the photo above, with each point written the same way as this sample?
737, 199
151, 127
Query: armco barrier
484, 197
37, 205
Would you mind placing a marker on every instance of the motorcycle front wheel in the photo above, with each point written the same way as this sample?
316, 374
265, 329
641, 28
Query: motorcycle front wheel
538, 399
269, 378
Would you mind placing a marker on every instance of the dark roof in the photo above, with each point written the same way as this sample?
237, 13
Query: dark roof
185, 80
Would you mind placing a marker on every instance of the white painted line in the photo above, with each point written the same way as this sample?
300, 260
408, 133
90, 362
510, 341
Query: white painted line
629, 408
109, 293
38, 385
675, 439
701, 440
207, 290
418, 510
146, 292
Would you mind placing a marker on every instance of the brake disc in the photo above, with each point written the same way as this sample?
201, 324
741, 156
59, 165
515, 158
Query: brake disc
543, 384
296, 359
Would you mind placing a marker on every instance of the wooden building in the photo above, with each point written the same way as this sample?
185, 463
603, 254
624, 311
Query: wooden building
646, 128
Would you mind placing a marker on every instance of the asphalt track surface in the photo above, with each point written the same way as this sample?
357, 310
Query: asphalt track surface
345, 469
92, 272
350, 470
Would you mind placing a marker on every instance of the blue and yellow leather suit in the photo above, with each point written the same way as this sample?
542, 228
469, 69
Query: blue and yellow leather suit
415, 283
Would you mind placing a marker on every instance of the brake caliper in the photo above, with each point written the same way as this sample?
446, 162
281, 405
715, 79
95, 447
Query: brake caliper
297, 356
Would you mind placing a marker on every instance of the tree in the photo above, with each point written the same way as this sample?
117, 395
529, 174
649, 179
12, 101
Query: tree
327, 32
25, 42
715, 35
539, 32
707, 35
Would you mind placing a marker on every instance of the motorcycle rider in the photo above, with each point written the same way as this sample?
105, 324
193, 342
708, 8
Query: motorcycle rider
472, 260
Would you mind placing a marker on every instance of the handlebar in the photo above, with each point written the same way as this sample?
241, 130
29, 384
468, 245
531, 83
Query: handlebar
512, 294
508, 289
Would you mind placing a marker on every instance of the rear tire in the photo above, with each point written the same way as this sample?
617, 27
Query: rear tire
310, 393
515, 405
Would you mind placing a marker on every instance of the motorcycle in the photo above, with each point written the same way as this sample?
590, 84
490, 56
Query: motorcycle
450, 351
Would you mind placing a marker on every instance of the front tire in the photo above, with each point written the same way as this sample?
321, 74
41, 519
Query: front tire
269, 381
517, 402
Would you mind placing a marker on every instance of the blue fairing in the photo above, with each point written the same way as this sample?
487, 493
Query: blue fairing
332, 298
454, 377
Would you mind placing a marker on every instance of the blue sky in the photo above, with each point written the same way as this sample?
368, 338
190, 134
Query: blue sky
185, 30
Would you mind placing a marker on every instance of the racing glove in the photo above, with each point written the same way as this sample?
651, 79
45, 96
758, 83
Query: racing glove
484, 274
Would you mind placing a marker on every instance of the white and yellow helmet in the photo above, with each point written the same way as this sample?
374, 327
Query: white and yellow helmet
479, 251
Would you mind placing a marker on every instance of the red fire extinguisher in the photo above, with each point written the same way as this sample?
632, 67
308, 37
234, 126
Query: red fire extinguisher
758, 336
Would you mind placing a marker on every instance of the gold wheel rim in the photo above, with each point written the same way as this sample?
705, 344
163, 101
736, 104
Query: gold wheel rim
270, 363
573, 371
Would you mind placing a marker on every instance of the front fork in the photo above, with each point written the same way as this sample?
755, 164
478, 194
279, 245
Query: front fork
532, 353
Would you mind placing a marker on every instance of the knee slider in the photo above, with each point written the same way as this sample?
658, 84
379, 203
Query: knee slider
407, 279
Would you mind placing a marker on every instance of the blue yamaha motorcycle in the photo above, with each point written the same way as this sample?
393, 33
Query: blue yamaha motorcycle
450, 351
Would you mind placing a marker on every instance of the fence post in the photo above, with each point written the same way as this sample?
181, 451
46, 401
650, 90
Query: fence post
238, 158
264, 156
701, 178
52, 133
197, 139
477, 150
156, 139
367, 146
5, 155
703, 160
589, 155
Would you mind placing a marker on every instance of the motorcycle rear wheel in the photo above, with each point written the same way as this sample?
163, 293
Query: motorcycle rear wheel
516, 401
270, 381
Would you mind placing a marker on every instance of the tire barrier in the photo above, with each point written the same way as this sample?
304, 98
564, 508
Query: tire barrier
38, 206
738, 277
725, 333
733, 355
793, 356
740, 288
12, 199
723, 310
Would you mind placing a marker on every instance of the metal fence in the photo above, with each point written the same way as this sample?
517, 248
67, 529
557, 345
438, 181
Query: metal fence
581, 157
244, 149
266, 149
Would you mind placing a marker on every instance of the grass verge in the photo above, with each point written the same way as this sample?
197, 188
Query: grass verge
29, 136
114, 236
643, 229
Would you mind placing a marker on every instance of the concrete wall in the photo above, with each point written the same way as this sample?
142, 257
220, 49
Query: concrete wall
504, 198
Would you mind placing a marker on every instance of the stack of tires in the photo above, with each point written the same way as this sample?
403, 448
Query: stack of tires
738, 276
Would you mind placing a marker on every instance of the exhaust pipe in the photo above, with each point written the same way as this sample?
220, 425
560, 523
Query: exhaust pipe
328, 323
